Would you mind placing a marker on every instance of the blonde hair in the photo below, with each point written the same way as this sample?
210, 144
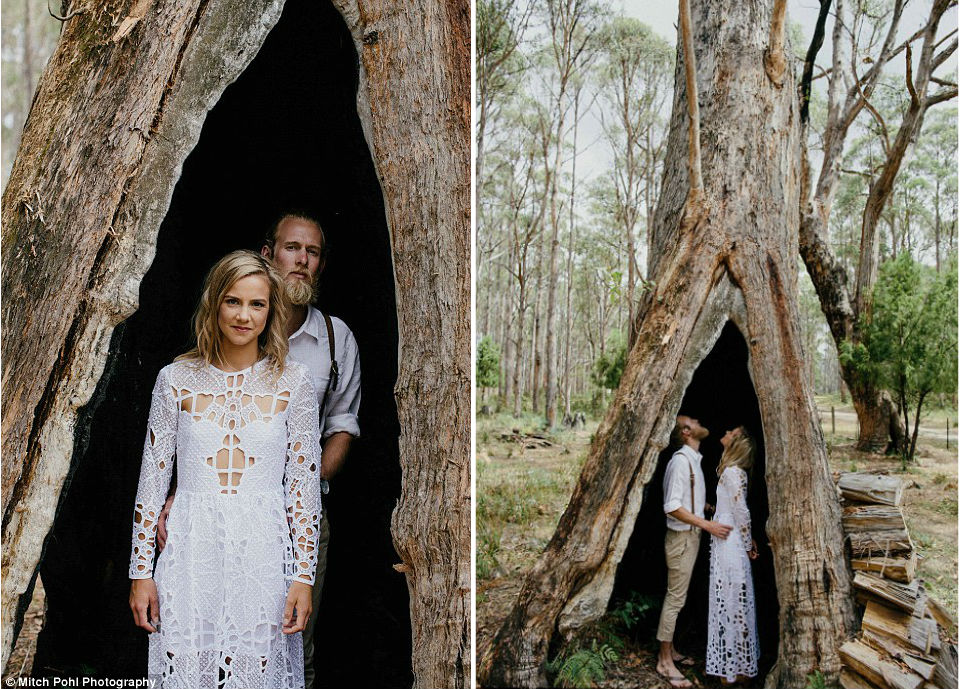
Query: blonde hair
739, 453
236, 265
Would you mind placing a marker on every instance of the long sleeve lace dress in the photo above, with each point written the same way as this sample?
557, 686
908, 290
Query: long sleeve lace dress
732, 647
243, 526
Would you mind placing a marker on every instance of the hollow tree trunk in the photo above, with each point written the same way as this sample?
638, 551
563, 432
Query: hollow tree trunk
732, 258
415, 101
117, 111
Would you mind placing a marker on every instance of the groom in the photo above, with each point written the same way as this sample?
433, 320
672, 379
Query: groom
684, 495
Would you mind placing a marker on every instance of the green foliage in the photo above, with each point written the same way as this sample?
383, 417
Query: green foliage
608, 368
488, 545
488, 363
816, 681
909, 343
629, 613
585, 667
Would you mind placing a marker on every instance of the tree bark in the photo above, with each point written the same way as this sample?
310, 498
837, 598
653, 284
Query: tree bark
117, 111
734, 261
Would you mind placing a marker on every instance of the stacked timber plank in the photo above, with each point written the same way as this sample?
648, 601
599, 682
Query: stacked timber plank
904, 642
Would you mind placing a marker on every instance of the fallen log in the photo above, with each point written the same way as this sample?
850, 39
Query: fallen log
900, 568
877, 668
917, 661
851, 680
941, 615
903, 596
884, 543
945, 674
873, 518
871, 488
917, 631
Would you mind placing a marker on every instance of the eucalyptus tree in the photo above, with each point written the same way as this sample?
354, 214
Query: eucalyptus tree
635, 84
571, 26
865, 34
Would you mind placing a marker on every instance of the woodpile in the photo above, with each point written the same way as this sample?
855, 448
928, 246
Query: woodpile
905, 639
529, 441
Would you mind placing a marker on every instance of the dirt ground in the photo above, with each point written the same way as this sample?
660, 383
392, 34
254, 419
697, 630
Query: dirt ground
21, 658
505, 467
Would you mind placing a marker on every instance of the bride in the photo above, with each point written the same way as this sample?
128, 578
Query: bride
732, 649
231, 590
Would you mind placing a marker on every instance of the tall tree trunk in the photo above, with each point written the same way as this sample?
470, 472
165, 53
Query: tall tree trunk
550, 333
568, 314
118, 109
518, 361
717, 258
424, 48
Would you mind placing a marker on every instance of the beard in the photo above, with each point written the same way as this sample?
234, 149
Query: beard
701, 433
300, 292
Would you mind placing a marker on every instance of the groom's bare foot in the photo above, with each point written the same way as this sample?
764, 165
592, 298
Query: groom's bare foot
669, 671
682, 659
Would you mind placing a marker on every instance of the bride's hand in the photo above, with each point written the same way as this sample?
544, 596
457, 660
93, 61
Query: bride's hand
299, 599
145, 604
752, 553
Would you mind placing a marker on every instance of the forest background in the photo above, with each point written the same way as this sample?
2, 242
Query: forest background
570, 146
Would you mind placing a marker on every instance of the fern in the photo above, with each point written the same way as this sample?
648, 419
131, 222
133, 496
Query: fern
585, 667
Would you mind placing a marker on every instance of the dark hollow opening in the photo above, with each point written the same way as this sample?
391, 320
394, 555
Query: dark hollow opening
722, 397
286, 133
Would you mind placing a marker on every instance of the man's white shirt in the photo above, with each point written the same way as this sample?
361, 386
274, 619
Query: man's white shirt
676, 486
309, 345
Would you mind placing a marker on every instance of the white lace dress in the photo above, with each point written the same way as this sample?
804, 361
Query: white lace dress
732, 647
243, 525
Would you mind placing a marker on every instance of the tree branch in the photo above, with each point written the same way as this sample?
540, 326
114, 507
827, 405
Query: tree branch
940, 96
943, 55
885, 137
810, 60
914, 98
70, 14
693, 105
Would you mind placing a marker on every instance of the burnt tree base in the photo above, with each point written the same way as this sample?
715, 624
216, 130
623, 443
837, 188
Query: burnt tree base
286, 133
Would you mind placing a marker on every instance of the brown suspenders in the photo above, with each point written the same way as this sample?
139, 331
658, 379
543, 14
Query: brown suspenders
334, 377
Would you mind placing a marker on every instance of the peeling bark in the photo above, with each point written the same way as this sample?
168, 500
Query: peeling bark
735, 260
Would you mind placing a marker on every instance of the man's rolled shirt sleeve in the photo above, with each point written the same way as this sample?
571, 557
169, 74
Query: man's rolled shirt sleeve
673, 485
344, 402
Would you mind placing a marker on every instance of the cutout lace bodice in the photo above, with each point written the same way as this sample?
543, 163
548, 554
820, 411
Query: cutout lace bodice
244, 522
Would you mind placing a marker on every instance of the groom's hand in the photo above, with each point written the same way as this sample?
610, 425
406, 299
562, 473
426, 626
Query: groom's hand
719, 530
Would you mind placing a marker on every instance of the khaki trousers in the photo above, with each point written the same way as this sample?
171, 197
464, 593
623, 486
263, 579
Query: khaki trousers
681, 548
323, 540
